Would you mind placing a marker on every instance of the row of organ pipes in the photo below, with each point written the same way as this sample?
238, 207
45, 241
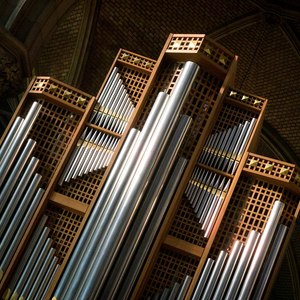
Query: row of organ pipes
113, 246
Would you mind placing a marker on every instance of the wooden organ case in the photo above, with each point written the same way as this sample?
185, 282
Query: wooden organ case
227, 218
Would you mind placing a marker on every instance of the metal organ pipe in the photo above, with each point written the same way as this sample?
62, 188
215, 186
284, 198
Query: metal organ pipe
151, 230
105, 241
10, 137
18, 140
104, 220
228, 270
100, 206
203, 279
129, 204
215, 273
242, 265
261, 251
147, 206
268, 265
16, 172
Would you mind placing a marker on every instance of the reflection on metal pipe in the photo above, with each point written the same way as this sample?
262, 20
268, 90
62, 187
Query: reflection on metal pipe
30, 264
46, 279
151, 230
120, 224
18, 140
10, 137
228, 270
18, 191
269, 263
41, 274
16, 172
17, 229
34, 272
148, 204
261, 251
18, 214
100, 206
185, 285
214, 276
242, 265
174, 291
203, 279
29, 249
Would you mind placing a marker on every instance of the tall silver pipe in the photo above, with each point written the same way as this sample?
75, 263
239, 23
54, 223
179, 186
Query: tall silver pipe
34, 272
16, 172
21, 265
41, 274
144, 214
108, 84
99, 207
18, 193
185, 286
242, 266
30, 264
261, 251
89, 141
103, 107
50, 281
97, 148
224, 141
214, 276
18, 140
231, 155
17, 233
228, 270
113, 201
213, 217
46, 279
270, 261
96, 161
139, 183
116, 119
82, 145
112, 104
203, 279
165, 294
10, 137
151, 230
174, 291
72, 159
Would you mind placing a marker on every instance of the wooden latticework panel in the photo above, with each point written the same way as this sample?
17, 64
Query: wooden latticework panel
53, 140
231, 116
135, 82
58, 90
199, 105
242, 97
82, 189
216, 53
64, 225
170, 267
249, 209
187, 42
185, 225
198, 43
271, 167
136, 60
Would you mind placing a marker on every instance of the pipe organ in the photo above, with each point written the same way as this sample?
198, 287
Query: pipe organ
150, 190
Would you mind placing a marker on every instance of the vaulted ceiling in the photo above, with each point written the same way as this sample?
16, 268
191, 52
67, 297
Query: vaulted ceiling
76, 41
